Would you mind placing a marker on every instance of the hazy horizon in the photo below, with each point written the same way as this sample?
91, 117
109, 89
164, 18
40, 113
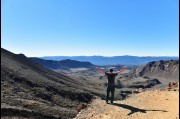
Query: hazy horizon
106, 56
91, 55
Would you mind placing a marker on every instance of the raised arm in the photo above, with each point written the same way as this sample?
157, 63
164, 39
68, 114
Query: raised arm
121, 70
100, 70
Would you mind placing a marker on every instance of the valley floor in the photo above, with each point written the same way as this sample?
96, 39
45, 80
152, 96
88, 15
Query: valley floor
154, 104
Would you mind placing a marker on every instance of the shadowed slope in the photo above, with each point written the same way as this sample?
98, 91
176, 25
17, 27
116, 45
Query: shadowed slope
28, 86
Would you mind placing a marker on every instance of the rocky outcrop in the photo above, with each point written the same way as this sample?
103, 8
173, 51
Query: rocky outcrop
164, 70
173, 86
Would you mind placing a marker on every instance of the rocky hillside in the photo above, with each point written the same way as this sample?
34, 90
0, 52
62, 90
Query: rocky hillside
63, 64
165, 70
29, 90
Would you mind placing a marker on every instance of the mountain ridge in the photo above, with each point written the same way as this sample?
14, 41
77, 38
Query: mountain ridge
63, 64
114, 60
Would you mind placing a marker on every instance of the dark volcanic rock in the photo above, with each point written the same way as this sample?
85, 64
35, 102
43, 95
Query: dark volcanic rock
32, 91
145, 84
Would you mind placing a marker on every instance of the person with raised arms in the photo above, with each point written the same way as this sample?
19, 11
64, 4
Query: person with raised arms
111, 81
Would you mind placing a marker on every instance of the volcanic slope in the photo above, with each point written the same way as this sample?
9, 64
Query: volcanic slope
29, 90
164, 70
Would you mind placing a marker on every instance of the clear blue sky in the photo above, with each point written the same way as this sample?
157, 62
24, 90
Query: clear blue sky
90, 27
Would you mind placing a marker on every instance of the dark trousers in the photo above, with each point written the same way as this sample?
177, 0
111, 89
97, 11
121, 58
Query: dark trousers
110, 88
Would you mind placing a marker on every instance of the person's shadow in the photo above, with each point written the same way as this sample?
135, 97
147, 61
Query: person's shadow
134, 109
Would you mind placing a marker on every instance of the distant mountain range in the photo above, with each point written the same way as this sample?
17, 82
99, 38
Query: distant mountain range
63, 64
102, 60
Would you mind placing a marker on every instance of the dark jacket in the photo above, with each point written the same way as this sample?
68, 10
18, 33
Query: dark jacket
111, 77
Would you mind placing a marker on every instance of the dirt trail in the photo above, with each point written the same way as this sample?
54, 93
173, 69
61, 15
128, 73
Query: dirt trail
157, 104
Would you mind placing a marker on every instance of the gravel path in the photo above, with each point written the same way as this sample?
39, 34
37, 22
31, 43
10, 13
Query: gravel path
156, 104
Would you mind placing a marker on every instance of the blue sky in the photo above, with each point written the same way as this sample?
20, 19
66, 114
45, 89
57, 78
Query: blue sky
90, 27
